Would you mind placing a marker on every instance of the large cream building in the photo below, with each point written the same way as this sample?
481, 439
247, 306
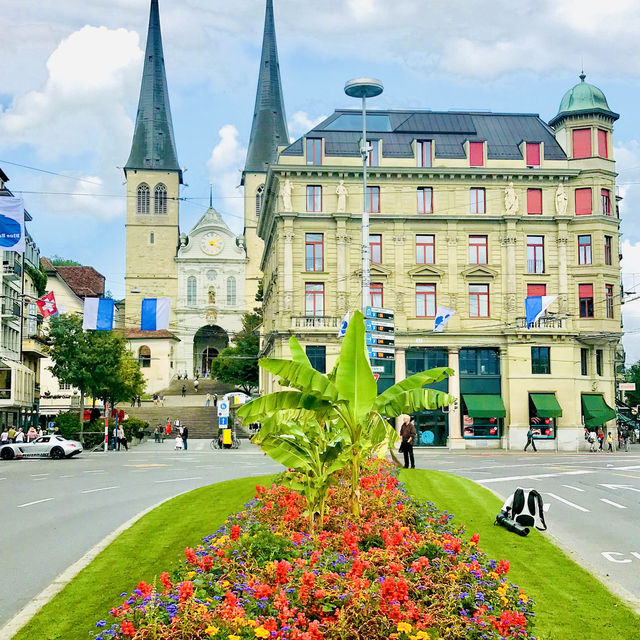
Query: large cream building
470, 211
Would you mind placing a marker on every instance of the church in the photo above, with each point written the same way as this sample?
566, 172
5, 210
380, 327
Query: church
210, 274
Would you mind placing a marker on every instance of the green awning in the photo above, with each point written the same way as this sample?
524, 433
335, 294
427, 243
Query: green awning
484, 406
595, 410
546, 405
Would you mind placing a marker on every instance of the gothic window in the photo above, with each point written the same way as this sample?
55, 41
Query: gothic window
259, 193
231, 291
143, 199
160, 200
144, 357
192, 288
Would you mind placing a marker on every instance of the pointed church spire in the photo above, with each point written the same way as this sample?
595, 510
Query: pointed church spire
153, 144
269, 127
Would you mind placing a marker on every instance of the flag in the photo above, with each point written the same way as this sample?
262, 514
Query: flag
98, 314
343, 325
154, 315
11, 224
535, 306
442, 317
47, 305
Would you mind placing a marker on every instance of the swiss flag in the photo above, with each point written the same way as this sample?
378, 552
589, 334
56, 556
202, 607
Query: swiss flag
47, 305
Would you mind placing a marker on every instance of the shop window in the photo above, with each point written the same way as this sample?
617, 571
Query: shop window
542, 427
540, 360
317, 355
479, 362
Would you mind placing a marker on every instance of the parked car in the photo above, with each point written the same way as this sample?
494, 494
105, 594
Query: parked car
53, 446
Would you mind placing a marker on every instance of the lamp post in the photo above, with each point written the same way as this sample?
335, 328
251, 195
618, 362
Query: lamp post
364, 88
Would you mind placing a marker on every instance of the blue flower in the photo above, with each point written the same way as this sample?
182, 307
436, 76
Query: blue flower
101, 623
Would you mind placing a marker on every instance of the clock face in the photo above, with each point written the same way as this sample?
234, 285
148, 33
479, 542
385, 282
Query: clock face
212, 243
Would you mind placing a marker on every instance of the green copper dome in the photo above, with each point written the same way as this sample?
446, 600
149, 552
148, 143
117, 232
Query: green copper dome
582, 99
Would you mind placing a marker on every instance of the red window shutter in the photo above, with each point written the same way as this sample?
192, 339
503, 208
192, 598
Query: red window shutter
533, 154
583, 202
534, 290
582, 143
585, 290
476, 154
602, 144
534, 200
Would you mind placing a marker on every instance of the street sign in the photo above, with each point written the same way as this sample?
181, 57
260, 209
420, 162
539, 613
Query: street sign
379, 313
223, 408
627, 386
377, 369
381, 339
379, 326
382, 353
376, 376
223, 421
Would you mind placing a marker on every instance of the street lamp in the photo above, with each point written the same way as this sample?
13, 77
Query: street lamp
364, 88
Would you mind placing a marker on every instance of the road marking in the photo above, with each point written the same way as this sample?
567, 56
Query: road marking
572, 487
534, 477
177, 480
567, 502
609, 556
93, 471
66, 476
620, 486
613, 504
626, 475
35, 475
28, 504
101, 489
146, 465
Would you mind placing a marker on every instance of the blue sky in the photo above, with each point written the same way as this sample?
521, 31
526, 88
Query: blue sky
71, 76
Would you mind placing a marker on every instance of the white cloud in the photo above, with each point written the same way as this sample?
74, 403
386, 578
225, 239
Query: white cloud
631, 309
301, 122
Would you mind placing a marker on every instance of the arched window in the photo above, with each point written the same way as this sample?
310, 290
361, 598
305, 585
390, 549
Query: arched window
231, 291
259, 193
192, 291
143, 199
160, 200
144, 357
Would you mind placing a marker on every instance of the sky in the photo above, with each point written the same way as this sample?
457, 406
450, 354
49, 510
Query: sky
72, 70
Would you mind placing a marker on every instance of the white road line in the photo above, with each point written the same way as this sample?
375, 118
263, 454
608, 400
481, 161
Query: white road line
35, 475
177, 480
28, 504
66, 476
101, 489
613, 504
93, 471
2, 478
572, 487
533, 477
567, 502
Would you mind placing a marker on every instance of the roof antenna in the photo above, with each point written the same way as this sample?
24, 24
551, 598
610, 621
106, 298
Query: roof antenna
211, 195
582, 75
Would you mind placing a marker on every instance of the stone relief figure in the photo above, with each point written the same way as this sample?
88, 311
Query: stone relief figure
212, 295
285, 191
342, 192
561, 200
510, 200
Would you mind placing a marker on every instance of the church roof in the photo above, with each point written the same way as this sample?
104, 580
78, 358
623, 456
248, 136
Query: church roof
153, 145
269, 126
210, 218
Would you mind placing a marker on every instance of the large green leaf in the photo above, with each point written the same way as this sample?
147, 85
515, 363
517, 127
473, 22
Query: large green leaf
416, 381
300, 376
298, 354
287, 452
415, 400
354, 378
265, 406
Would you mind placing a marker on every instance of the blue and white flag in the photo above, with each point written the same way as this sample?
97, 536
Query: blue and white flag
98, 314
11, 224
442, 317
155, 314
535, 306
343, 325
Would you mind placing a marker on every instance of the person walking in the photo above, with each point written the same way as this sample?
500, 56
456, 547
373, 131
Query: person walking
593, 441
122, 439
115, 442
407, 433
600, 438
215, 400
20, 435
31, 434
609, 442
162, 399
156, 435
195, 385
139, 401
185, 436
208, 400
167, 429
530, 440
184, 390
4, 436
12, 434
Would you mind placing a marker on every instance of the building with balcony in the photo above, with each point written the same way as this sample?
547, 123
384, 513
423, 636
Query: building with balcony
470, 211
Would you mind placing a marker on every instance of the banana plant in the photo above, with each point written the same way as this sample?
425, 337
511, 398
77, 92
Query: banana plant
347, 399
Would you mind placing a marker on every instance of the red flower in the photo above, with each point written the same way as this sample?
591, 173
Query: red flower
282, 569
190, 555
145, 589
127, 628
166, 581
206, 563
475, 538
503, 566
235, 532
186, 591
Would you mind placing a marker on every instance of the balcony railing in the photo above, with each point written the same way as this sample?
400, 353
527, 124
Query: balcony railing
14, 270
10, 309
315, 322
545, 322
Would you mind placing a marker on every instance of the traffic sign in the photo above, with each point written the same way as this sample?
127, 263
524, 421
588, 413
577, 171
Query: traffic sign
377, 369
223, 421
382, 353
381, 339
379, 313
376, 376
223, 408
379, 326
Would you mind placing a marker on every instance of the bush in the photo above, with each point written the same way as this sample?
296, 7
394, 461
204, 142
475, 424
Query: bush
68, 424
134, 428
401, 570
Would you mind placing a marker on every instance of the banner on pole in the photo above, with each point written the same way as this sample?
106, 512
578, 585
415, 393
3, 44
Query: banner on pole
12, 224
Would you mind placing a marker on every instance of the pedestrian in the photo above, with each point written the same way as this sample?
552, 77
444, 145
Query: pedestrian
31, 434
12, 434
215, 400
600, 438
627, 438
20, 435
609, 442
155, 399
185, 436
162, 399
208, 400
122, 439
407, 433
156, 434
167, 429
586, 434
530, 440
184, 390
178, 442
195, 385
593, 441
176, 424
4, 436
114, 439
133, 401
40, 432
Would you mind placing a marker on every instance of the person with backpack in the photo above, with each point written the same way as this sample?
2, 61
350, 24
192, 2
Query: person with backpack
593, 442
530, 440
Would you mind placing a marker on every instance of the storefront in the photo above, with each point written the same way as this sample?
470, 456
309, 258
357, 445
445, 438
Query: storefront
543, 411
595, 411
483, 415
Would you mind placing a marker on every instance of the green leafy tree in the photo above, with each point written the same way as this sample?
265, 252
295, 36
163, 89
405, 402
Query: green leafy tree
39, 278
59, 261
633, 375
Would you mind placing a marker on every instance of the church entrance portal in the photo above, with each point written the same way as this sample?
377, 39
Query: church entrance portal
207, 344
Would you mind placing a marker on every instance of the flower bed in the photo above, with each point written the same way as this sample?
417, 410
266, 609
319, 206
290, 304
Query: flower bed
401, 571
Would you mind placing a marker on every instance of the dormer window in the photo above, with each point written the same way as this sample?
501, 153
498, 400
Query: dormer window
314, 150
533, 154
476, 154
423, 151
374, 153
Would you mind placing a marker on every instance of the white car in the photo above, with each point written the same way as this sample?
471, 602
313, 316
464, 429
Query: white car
52, 446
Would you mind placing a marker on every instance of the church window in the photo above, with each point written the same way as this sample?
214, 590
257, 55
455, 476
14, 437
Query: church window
259, 194
160, 200
152, 238
211, 275
192, 291
231, 291
143, 199
144, 357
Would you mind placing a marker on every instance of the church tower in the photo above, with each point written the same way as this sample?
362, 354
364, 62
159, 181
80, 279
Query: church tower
153, 182
268, 131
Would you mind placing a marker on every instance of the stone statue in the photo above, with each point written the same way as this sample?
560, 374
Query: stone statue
342, 192
561, 200
285, 191
212, 295
510, 200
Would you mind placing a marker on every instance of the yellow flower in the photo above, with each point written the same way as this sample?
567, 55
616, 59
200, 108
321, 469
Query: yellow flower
404, 626
191, 574
233, 637
261, 632
524, 597
422, 635
211, 631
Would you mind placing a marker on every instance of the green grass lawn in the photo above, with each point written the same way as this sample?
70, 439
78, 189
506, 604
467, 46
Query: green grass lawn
570, 603
153, 544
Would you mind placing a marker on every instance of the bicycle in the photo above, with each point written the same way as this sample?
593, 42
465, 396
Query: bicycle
216, 443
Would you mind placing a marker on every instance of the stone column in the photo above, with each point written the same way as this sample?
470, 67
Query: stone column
455, 435
563, 281
400, 364
288, 237
510, 285
342, 247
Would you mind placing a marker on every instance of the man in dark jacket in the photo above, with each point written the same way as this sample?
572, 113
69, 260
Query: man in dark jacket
407, 434
185, 435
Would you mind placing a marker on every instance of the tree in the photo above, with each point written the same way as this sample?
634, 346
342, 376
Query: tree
38, 277
59, 261
633, 375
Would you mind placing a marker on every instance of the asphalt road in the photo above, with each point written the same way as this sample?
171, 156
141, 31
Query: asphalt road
592, 502
54, 511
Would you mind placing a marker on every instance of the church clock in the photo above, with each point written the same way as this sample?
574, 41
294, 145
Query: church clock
212, 243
